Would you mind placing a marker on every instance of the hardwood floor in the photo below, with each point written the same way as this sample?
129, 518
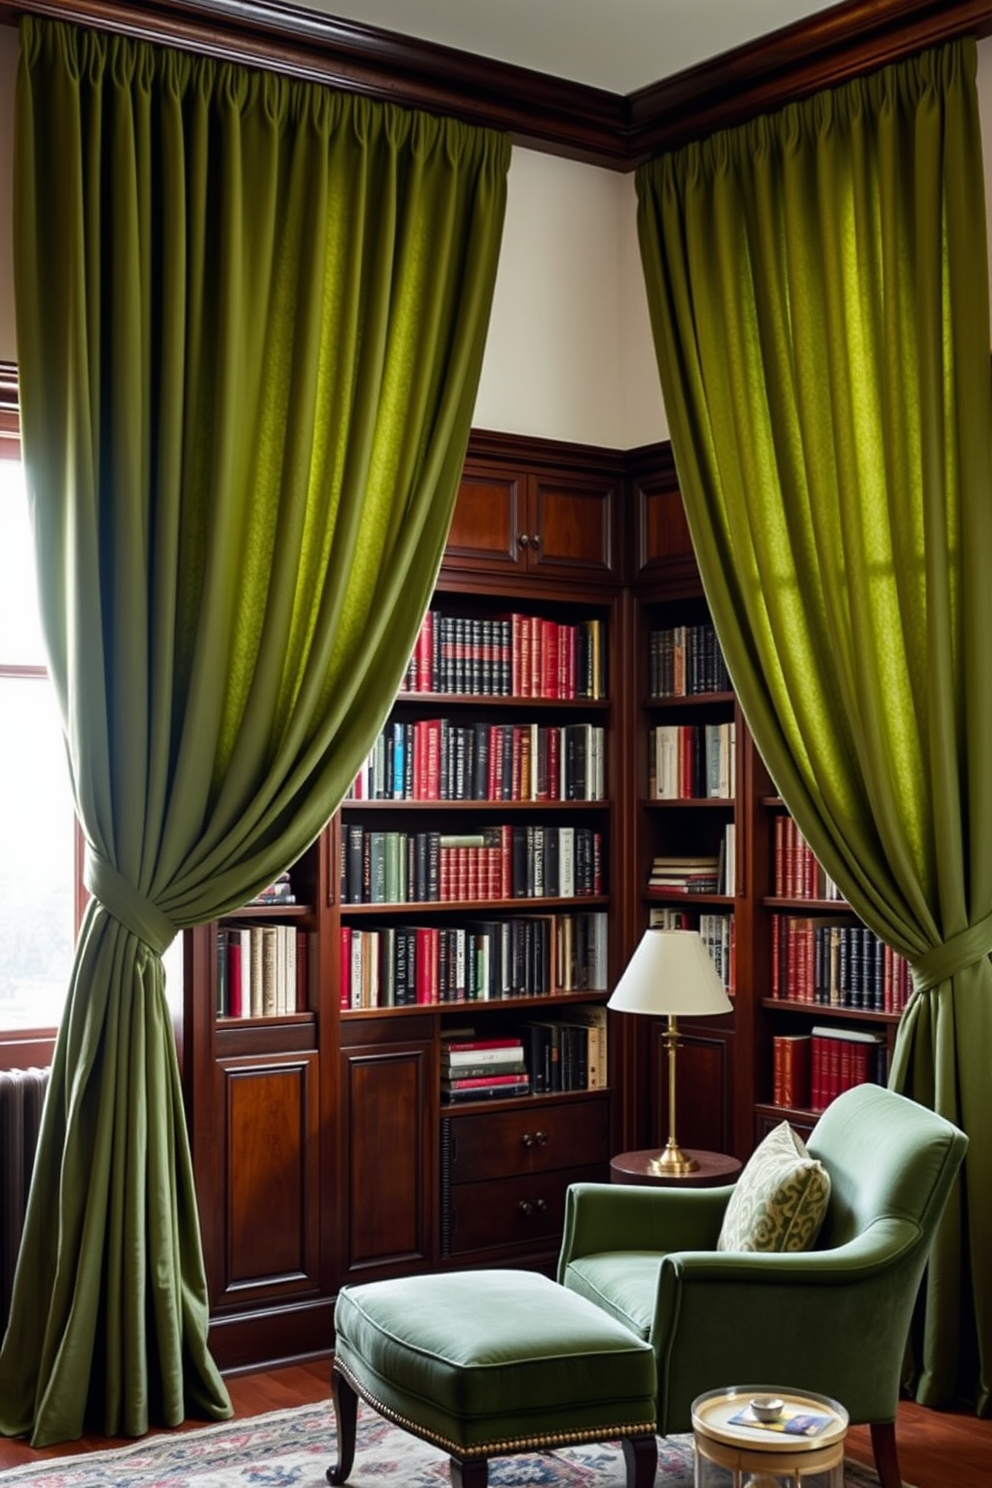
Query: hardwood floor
937, 1449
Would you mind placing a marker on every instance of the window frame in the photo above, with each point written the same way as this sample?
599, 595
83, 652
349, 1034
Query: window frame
21, 1048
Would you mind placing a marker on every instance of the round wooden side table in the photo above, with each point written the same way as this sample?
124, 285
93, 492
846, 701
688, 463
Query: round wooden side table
715, 1168
804, 1448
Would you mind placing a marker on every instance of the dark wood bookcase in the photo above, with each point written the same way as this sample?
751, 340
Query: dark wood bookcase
322, 1150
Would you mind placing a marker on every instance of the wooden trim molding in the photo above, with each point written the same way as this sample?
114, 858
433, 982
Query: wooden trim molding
543, 112
823, 51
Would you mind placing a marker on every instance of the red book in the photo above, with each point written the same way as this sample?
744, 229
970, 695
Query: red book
550, 682
519, 753
566, 646
538, 627
526, 647
432, 781
490, 1043
234, 1002
479, 1082
426, 964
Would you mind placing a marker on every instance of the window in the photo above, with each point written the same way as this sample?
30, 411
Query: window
39, 889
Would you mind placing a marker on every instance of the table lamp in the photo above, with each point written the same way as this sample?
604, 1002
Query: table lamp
671, 973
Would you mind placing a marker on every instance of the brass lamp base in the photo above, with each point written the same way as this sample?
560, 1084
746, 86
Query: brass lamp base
672, 1162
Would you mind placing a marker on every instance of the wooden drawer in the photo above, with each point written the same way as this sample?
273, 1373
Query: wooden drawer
527, 1210
501, 1144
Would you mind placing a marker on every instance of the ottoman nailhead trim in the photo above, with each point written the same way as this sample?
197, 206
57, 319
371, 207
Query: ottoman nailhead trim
497, 1448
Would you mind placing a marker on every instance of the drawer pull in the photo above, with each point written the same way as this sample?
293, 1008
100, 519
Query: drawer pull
527, 1208
538, 1139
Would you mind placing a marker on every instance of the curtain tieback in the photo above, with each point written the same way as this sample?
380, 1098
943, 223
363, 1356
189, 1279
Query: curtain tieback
127, 904
941, 962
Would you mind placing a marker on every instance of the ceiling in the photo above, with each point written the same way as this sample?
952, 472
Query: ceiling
617, 45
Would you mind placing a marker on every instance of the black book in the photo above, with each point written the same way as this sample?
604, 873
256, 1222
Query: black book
537, 1054
518, 863
353, 864
480, 762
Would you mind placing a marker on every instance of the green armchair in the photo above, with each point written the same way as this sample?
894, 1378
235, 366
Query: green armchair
834, 1319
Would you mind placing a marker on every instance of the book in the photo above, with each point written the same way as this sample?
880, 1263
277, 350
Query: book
487, 1081
792, 1422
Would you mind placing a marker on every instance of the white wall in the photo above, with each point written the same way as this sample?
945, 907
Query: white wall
569, 354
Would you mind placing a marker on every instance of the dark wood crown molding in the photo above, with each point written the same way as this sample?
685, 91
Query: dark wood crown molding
543, 112
820, 52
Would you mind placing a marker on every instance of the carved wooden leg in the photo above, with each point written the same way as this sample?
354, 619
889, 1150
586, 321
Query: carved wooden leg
640, 1453
345, 1416
469, 1472
883, 1444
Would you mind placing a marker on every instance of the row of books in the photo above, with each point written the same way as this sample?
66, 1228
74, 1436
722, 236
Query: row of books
544, 1056
497, 863
716, 932
261, 970
692, 761
516, 655
705, 873
479, 961
796, 874
809, 1070
838, 963
435, 759
685, 660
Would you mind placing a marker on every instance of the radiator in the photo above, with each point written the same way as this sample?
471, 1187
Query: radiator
22, 1095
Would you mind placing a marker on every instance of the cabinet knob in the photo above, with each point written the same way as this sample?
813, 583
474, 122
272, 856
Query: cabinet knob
522, 539
535, 541
525, 1206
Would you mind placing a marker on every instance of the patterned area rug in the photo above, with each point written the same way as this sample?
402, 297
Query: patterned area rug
293, 1449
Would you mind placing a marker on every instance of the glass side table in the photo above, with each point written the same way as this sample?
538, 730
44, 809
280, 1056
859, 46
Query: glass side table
735, 1450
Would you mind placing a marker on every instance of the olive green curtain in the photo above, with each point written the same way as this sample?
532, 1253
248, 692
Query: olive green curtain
250, 318
818, 289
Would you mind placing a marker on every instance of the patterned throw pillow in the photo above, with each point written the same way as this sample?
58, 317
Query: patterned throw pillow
780, 1199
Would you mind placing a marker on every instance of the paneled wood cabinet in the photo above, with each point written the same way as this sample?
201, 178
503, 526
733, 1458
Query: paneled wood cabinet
556, 516
323, 1151
504, 1175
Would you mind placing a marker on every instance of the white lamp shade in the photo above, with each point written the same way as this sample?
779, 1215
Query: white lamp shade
671, 973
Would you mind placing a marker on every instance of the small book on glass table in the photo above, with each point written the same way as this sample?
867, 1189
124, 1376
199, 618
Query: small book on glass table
792, 1422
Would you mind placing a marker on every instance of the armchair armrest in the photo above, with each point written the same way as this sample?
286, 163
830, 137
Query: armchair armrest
603, 1217
833, 1321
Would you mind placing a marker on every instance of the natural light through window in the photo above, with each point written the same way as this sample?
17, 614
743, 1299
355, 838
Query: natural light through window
37, 824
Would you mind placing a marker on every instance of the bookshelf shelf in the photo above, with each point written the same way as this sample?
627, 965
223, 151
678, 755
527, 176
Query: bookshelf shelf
823, 1011
694, 803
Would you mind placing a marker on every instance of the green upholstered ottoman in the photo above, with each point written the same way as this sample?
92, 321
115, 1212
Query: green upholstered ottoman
486, 1363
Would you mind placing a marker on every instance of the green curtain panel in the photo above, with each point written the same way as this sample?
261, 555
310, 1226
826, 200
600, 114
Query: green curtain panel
818, 288
250, 317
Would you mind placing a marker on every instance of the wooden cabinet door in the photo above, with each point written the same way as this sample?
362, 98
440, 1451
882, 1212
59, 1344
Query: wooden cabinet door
271, 1162
489, 523
387, 1156
572, 531
704, 1088
560, 521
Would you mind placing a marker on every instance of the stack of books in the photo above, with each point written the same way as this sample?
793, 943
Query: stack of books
683, 875
483, 1069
